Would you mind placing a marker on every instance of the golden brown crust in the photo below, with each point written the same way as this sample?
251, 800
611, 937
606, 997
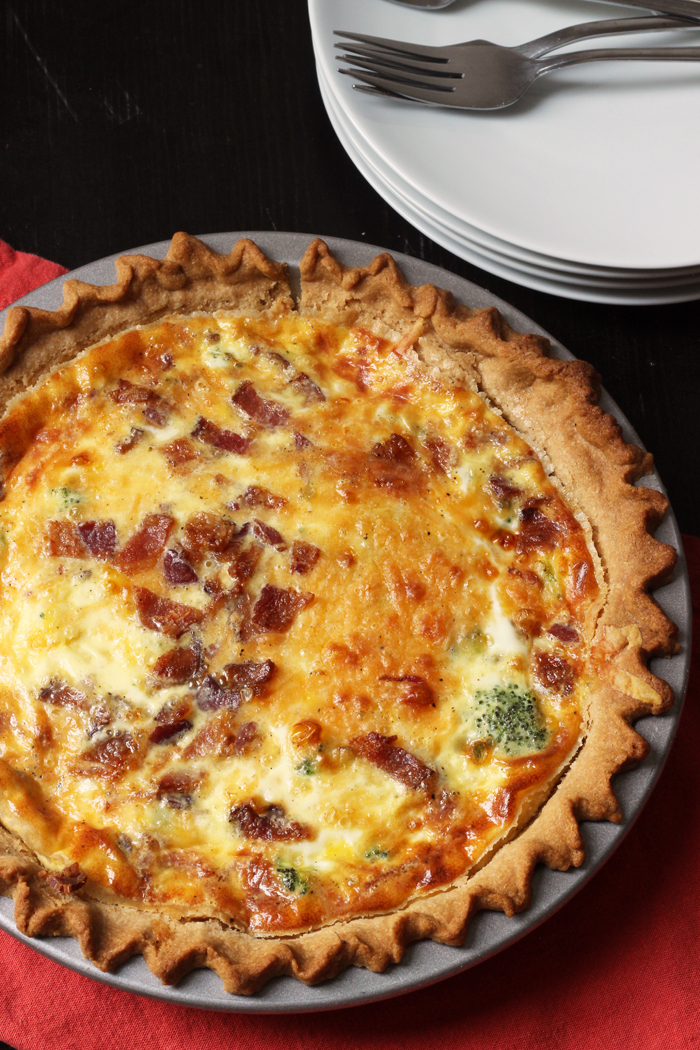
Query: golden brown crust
191, 278
553, 404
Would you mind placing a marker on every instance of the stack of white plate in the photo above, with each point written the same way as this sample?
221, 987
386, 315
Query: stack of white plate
589, 187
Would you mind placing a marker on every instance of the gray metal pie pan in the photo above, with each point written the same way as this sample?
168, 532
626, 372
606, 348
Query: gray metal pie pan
426, 962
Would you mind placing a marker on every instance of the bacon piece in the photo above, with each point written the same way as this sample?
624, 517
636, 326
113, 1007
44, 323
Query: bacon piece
274, 358
239, 682
417, 692
242, 563
246, 736
116, 753
503, 490
256, 496
553, 672
164, 616
127, 443
300, 441
583, 578
69, 880
271, 825
400, 764
175, 709
100, 537
68, 539
154, 407
167, 730
64, 540
143, 549
179, 451
177, 789
226, 440
275, 610
212, 696
178, 783
100, 717
442, 455
249, 675
217, 737
536, 530
306, 388
62, 695
268, 535
176, 569
206, 532
395, 450
393, 465
263, 410
304, 557
179, 665
564, 632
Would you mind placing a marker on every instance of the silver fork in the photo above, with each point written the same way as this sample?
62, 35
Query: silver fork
431, 5
682, 8
480, 75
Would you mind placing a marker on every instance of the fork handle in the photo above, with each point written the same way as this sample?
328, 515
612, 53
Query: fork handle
543, 44
682, 8
668, 54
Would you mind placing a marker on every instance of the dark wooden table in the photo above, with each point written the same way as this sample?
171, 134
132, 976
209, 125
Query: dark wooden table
121, 123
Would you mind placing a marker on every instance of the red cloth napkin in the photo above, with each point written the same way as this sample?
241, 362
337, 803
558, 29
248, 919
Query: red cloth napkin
617, 967
21, 273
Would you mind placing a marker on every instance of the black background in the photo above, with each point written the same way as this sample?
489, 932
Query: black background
121, 123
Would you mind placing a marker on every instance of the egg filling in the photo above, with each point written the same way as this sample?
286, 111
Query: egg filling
291, 631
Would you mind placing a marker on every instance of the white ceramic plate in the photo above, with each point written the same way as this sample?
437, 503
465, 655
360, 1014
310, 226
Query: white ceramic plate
564, 285
596, 164
472, 234
609, 282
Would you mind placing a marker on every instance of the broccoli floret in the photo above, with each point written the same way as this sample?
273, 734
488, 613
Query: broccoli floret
508, 716
307, 766
220, 355
293, 880
377, 853
66, 497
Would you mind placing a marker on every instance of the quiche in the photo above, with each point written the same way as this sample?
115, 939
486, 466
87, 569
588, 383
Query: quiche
321, 622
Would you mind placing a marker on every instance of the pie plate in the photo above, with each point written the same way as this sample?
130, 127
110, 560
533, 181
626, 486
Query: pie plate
425, 962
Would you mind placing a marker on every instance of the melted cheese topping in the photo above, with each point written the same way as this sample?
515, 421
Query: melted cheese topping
289, 631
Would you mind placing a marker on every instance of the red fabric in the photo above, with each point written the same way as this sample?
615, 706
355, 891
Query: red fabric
618, 967
21, 273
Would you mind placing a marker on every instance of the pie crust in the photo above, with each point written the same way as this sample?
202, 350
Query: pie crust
552, 404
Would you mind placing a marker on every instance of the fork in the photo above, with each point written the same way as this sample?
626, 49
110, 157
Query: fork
682, 8
480, 75
431, 5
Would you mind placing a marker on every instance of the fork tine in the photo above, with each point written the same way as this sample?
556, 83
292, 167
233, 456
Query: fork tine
379, 92
399, 47
376, 64
410, 89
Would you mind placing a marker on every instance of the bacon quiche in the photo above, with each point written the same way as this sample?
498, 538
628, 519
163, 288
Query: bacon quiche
321, 623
